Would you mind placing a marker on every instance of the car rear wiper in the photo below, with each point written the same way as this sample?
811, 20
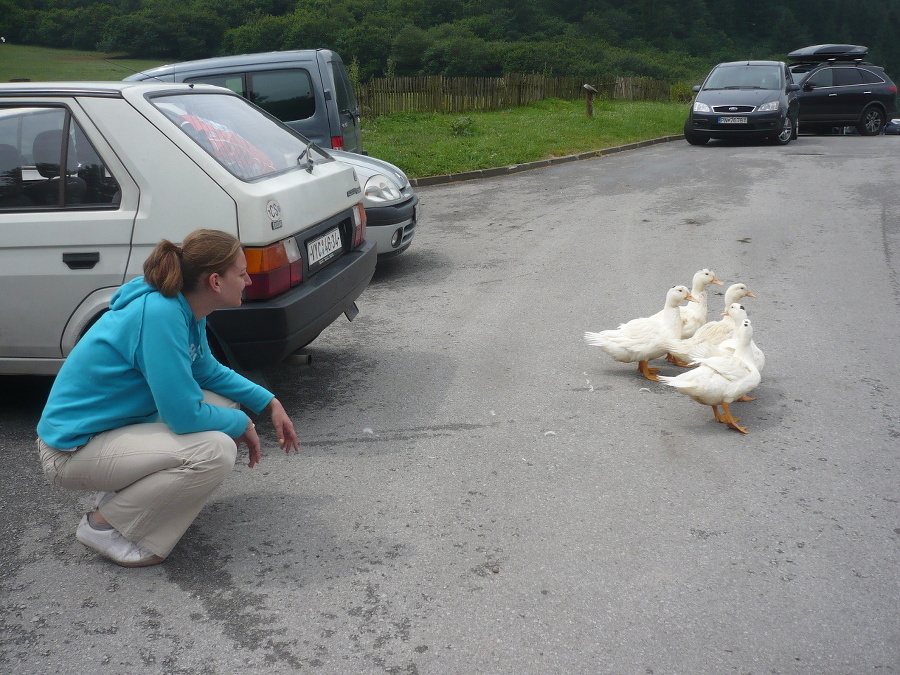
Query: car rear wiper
309, 162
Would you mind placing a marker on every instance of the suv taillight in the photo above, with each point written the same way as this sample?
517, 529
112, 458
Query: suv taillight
273, 269
337, 142
359, 225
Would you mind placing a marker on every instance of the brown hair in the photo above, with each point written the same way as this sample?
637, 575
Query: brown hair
170, 268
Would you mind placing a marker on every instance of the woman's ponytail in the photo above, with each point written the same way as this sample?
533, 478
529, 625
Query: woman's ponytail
172, 269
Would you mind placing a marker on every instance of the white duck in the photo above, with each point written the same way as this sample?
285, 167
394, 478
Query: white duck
719, 380
694, 316
712, 332
646, 338
737, 312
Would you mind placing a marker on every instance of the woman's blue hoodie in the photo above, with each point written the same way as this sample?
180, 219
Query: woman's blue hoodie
145, 360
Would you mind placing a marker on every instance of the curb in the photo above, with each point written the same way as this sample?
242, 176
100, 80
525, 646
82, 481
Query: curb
528, 166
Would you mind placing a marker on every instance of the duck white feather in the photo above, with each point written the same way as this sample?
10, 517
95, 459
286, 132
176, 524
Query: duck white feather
646, 338
712, 332
721, 379
695, 315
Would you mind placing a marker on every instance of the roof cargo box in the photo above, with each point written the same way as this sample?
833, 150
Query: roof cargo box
829, 52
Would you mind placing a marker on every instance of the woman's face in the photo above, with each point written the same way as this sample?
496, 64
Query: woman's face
233, 282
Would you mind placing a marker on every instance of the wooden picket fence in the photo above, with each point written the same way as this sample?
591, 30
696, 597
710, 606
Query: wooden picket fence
469, 94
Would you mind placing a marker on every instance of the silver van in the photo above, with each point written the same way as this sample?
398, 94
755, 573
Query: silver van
94, 174
311, 92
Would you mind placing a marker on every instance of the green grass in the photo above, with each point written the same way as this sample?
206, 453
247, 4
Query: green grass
42, 64
425, 144
422, 144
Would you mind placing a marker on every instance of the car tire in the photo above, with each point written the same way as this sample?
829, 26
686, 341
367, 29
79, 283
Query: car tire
787, 133
692, 138
872, 122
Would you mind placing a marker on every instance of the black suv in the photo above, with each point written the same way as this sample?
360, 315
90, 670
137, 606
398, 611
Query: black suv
840, 89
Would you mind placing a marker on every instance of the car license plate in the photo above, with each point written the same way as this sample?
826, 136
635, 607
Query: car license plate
732, 120
325, 247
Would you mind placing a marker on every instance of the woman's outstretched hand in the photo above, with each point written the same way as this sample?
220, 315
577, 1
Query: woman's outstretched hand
284, 428
251, 439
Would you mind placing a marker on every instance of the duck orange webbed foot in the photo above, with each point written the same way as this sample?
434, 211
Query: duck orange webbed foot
677, 362
745, 398
732, 421
647, 371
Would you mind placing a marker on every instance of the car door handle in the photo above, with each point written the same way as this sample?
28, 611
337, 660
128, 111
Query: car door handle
81, 261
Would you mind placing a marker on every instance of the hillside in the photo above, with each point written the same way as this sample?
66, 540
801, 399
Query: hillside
654, 38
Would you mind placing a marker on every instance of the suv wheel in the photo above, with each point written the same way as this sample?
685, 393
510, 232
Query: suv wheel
872, 122
787, 131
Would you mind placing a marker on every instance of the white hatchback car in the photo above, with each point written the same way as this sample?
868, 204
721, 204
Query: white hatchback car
93, 175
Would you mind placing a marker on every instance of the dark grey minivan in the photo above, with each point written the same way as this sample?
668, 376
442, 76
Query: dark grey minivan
308, 89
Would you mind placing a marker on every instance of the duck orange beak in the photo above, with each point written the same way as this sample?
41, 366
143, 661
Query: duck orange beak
716, 282
691, 298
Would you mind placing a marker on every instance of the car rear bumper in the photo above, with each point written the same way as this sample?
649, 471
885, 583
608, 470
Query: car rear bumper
259, 334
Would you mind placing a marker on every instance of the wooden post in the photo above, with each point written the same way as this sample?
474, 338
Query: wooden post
589, 92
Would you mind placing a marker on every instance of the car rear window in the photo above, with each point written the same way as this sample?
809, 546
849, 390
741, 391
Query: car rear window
247, 143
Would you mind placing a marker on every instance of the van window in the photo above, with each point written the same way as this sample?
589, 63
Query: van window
285, 94
47, 161
249, 145
233, 82
346, 99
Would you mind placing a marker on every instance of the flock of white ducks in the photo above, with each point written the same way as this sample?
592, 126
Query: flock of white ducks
727, 361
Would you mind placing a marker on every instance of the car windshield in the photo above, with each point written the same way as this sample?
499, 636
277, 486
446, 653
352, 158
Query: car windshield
246, 142
744, 77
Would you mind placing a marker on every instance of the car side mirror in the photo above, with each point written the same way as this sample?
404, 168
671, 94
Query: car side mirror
793, 87
696, 87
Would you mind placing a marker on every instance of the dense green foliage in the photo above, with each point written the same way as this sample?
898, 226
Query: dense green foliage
655, 38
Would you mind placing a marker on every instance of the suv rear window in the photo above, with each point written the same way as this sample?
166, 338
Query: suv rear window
285, 94
249, 145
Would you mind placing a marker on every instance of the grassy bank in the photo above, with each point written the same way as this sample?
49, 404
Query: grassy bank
42, 64
422, 144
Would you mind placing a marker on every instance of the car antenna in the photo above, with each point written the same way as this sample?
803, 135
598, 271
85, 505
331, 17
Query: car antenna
132, 70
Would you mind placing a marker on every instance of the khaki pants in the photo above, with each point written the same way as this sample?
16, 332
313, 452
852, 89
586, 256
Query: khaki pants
162, 479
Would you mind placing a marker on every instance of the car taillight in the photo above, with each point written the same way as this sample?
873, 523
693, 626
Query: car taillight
337, 142
273, 269
893, 88
359, 225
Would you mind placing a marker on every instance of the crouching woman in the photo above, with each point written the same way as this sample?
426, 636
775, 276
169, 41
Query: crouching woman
142, 411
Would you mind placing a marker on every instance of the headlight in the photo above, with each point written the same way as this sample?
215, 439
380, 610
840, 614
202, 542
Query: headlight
768, 107
379, 190
701, 107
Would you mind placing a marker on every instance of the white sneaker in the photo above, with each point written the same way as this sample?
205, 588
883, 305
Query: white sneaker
113, 546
